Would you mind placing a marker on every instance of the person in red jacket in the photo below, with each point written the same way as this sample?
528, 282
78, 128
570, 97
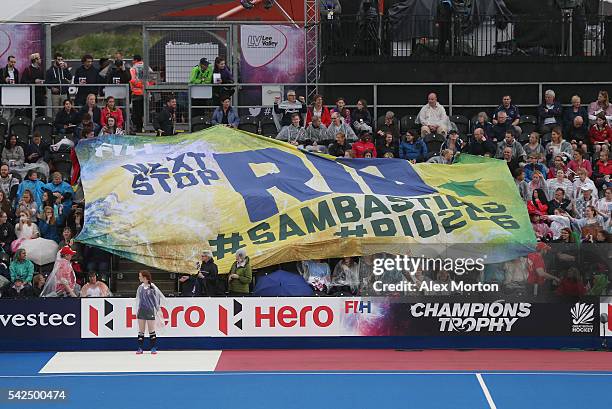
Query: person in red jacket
571, 285
320, 110
600, 133
364, 144
111, 110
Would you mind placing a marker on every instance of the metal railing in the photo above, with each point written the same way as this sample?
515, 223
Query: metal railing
425, 36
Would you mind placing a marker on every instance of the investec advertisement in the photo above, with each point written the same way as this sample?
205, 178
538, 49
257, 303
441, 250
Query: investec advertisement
334, 317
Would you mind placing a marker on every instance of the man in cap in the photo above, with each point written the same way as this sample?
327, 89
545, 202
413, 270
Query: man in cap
201, 73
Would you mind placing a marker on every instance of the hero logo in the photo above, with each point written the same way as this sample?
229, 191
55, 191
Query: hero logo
34, 320
473, 317
289, 316
582, 317
223, 317
177, 316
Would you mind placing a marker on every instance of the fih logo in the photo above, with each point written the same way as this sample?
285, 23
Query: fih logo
224, 320
94, 318
582, 317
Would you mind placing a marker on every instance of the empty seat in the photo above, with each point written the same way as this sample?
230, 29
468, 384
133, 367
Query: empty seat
528, 124
249, 124
3, 128
268, 127
408, 123
21, 126
44, 126
199, 123
462, 123
434, 142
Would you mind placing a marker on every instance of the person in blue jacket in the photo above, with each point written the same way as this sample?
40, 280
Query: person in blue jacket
413, 148
225, 114
60, 189
34, 185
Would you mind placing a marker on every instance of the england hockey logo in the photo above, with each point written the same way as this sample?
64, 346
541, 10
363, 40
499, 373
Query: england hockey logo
582, 317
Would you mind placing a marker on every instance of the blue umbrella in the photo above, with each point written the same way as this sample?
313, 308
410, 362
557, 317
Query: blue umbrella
282, 283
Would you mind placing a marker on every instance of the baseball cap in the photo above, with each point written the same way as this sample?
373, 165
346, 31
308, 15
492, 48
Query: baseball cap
66, 250
204, 61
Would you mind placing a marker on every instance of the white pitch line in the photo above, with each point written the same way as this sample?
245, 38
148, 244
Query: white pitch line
486, 392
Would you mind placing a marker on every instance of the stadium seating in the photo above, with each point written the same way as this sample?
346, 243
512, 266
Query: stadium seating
434, 142
21, 127
44, 125
199, 123
249, 124
3, 129
268, 127
528, 124
408, 123
462, 123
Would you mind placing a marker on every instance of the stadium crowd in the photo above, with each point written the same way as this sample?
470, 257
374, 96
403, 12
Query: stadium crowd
560, 164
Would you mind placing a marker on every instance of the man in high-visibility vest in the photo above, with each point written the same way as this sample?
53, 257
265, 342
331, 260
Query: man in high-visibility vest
137, 87
201, 73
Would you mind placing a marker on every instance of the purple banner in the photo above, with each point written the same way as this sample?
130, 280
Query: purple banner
21, 40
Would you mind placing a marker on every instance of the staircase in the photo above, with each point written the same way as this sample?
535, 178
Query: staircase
125, 279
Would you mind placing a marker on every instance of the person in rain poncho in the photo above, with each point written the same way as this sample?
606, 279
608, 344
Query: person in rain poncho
345, 277
149, 300
62, 280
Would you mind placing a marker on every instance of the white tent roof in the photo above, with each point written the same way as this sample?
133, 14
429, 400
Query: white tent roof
58, 11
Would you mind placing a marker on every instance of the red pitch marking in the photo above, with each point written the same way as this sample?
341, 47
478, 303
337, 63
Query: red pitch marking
430, 360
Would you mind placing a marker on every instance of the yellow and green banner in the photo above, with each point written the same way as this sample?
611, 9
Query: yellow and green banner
161, 201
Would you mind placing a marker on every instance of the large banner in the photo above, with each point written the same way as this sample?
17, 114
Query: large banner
161, 201
21, 40
38, 318
347, 317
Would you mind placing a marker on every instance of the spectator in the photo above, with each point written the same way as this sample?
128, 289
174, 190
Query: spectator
48, 225
62, 280
201, 73
432, 117
602, 170
7, 232
512, 162
500, 128
389, 149
58, 74
560, 182
512, 113
338, 126
601, 105
521, 185
340, 148
61, 191
576, 120
341, 108
444, 158
48, 200
5, 206
222, 75
549, 113
559, 201
19, 289
37, 155
318, 109
295, 134
592, 222
538, 203
600, 132
28, 204
413, 148
68, 240
137, 75
34, 74
289, 107
165, 121
558, 146
66, 119
362, 119
604, 205
111, 128
579, 162
364, 145
582, 202
111, 110
557, 164
518, 152
480, 145
582, 181
453, 143
537, 270
345, 277
21, 268
482, 122
38, 282
13, 154
10, 73
8, 183
240, 275
85, 74
389, 125
209, 273
94, 288
118, 74
571, 285
540, 228
317, 274
533, 165
32, 184
104, 65
537, 182
316, 133
86, 124
225, 114
92, 109
534, 146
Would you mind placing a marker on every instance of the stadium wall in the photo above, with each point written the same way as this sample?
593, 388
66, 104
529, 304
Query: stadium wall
293, 323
